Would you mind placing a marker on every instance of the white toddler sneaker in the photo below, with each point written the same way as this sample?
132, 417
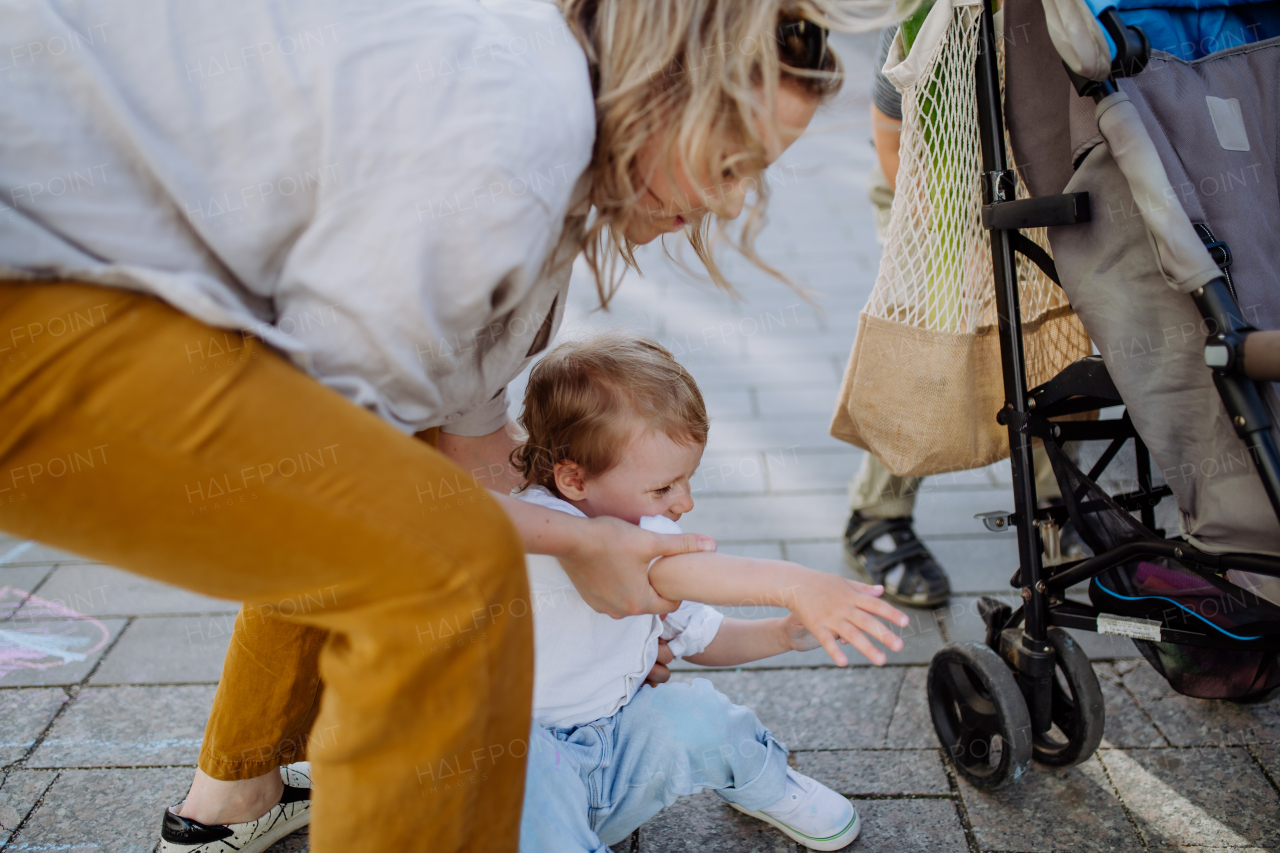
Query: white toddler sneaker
812, 814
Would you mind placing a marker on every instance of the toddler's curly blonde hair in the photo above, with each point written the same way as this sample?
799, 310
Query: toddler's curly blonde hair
586, 399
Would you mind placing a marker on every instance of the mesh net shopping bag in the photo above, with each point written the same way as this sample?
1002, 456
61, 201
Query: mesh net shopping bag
923, 384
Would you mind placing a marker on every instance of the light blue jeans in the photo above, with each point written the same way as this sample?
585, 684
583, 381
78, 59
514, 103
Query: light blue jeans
590, 786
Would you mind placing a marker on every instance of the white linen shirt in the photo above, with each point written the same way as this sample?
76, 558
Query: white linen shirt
377, 189
587, 665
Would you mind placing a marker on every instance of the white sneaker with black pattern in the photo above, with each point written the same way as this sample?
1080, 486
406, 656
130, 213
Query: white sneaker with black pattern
183, 835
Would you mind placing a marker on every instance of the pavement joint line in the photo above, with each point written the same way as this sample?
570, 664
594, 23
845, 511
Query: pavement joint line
764, 471
897, 699
943, 628
151, 684
1128, 813
962, 809
950, 796
73, 691
1134, 698
116, 767
1275, 783
17, 551
17, 830
175, 615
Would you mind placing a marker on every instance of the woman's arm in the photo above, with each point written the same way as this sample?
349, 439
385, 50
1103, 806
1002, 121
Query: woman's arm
832, 608
606, 558
487, 458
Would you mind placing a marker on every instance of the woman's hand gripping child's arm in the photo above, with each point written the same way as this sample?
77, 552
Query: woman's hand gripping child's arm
826, 609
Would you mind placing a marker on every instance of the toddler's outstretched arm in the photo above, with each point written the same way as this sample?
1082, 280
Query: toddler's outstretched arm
832, 608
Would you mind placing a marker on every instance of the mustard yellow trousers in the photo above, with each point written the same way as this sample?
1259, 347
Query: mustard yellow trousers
366, 561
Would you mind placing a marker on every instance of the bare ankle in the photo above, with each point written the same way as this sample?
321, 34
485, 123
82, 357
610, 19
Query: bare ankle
215, 802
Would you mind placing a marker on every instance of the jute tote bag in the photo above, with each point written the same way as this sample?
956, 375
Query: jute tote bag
923, 384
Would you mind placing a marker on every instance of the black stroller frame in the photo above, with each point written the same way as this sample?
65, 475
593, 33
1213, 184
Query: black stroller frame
1030, 683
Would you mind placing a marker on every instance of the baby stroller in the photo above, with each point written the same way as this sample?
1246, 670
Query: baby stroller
1155, 176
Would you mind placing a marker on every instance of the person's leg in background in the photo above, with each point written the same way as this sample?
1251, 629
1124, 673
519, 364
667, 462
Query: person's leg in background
880, 543
242, 478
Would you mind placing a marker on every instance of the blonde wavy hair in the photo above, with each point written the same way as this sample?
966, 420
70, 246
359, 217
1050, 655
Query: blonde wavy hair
699, 76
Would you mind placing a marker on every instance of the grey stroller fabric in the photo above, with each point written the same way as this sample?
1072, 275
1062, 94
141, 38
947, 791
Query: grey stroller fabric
1150, 336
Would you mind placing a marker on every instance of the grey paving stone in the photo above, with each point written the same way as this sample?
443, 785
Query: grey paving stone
19, 792
1127, 724
800, 432
128, 727
859, 772
825, 556
911, 726
950, 512
773, 346
791, 470
894, 826
1069, 809
24, 552
114, 811
16, 583
814, 708
1269, 755
798, 398
768, 516
735, 374
981, 564
51, 651
168, 650
106, 591
24, 714
726, 404
1206, 797
1201, 722
703, 823
1182, 848
731, 473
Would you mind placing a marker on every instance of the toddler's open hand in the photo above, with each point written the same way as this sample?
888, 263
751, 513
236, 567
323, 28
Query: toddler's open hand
836, 610
798, 637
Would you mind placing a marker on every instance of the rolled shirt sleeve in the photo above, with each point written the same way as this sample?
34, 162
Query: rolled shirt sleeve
488, 418
691, 628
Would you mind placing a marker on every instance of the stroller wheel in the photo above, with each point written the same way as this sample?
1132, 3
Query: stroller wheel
1078, 714
979, 715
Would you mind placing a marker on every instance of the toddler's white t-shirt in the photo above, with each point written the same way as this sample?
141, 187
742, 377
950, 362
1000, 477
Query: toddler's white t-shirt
587, 664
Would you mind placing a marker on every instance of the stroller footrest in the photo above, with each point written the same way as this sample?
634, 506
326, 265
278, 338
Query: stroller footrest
1041, 212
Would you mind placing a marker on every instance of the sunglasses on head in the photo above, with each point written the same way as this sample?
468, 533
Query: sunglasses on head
802, 44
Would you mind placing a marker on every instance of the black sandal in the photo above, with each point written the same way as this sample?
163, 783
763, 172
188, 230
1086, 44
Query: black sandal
922, 582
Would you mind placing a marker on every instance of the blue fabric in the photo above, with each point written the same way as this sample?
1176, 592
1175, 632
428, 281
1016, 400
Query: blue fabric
590, 786
1191, 29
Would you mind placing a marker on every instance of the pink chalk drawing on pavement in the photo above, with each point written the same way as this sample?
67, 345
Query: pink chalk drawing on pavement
45, 634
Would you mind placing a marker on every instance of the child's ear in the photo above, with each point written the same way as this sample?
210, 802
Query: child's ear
570, 480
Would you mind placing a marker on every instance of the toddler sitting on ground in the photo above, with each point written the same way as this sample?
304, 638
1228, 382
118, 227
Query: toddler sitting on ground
616, 427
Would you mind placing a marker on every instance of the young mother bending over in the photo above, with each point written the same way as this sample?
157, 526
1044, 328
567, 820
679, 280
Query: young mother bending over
253, 252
